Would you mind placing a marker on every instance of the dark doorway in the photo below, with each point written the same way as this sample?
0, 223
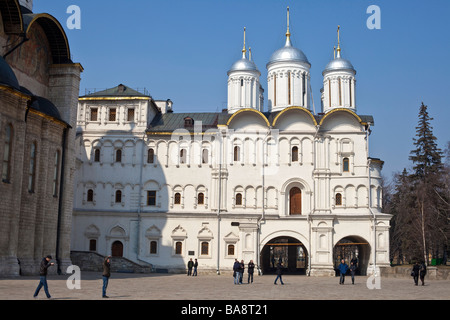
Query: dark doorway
295, 201
290, 251
352, 249
117, 249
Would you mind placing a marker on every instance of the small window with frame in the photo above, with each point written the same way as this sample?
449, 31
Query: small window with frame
112, 114
346, 165
338, 199
151, 198
238, 199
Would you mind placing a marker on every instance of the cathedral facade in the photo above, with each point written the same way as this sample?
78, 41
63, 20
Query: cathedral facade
39, 90
160, 187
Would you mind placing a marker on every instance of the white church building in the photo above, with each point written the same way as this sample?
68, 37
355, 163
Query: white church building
160, 187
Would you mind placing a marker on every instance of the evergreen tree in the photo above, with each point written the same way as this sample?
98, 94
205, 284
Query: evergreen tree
427, 183
420, 209
427, 157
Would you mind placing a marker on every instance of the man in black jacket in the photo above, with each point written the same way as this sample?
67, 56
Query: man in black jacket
45, 263
190, 265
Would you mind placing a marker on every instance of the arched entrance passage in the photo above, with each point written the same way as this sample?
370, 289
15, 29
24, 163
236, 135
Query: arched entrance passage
352, 248
292, 253
117, 249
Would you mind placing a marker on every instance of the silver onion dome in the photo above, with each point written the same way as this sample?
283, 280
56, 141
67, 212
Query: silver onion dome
243, 65
339, 64
288, 54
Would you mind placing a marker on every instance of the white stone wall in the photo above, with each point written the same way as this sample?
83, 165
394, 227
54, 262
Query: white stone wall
264, 174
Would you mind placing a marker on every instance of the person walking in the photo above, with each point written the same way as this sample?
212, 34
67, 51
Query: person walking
422, 272
236, 267
195, 268
343, 268
106, 274
250, 270
279, 273
45, 264
353, 271
415, 273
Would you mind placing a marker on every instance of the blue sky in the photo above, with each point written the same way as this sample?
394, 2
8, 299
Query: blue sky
181, 50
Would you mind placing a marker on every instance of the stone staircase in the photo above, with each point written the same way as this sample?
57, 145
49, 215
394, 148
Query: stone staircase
92, 261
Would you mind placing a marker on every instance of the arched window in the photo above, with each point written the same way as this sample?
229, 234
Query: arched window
239, 199
236, 155
150, 155
183, 156
177, 198
178, 247
205, 156
201, 198
295, 201
205, 248
97, 155
118, 155
231, 249
346, 165
56, 173
118, 196
294, 154
32, 172
188, 122
338, 199
90, 195
7, 153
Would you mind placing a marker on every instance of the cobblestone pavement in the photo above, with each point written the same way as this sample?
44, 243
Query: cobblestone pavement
123, 286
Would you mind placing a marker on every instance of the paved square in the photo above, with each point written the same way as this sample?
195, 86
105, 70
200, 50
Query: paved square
127, 286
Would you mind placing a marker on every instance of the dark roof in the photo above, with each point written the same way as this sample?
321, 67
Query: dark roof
7, 75
118, 91
169, 122
47, 107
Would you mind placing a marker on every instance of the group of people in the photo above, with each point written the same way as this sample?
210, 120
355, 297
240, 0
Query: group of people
45, 264
344, 268
192, 265
419, 270
238, 271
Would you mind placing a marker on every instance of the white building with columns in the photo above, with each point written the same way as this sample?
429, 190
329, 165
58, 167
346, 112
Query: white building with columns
160, 187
